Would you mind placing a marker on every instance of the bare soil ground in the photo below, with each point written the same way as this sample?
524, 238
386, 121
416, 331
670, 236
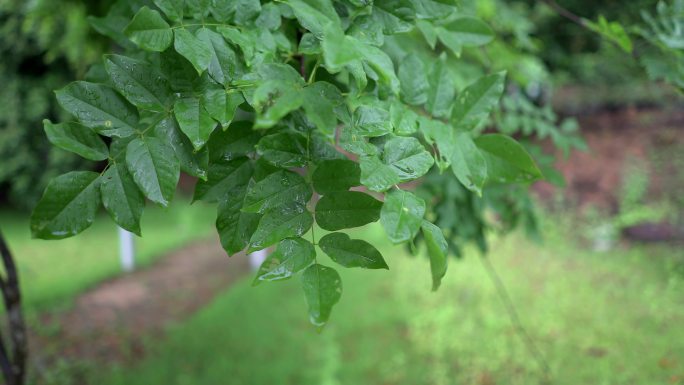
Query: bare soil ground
653, 137
110, 322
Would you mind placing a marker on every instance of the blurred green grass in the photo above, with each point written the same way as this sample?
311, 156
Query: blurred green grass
599, 318
53, 272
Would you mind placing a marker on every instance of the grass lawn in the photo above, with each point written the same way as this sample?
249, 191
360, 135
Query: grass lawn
53, 272
600, 318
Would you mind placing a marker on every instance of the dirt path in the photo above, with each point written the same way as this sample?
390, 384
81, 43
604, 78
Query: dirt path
111, 322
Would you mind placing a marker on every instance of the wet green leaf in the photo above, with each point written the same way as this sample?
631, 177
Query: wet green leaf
76, 138
277, 189
437, 250
139, 82
322, 288
287, 221
336, 175
401, 215
224, 176
476, 101
194, 120
154, 167
284, 150
122, 198
351, 252
291, 256
199, 52
68, 206
149, 30
346, 209
507, 160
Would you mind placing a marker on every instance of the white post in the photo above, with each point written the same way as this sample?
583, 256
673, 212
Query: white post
126, 250
257, 258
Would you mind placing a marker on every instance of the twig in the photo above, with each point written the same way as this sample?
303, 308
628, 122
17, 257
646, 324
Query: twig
515, 319
566, 13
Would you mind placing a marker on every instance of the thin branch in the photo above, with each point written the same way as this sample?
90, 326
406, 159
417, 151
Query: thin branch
566, 13
515, 319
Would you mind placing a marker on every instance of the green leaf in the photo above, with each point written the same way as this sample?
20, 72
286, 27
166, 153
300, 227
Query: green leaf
288, 221
269, 17
351, 252
476, 101
320, 100
414, 81
346, 209
468, 163
395, 16
314, 15
440, 135
407, 157
291, 256
273, 100
68, 206
173, 9
437, 250
194, 120
149, 30
199, 52
322, 288
464, 32
224, 176
192, 162
441, 90
401, 215
376, 175
100, 107
381, 64
154, 167
284, 150
235, 226
139, 82
277, 189
223, 66
76, 138
221, 105
336, 175
371, 121
507, 160
339, 49
122, 198
238, 140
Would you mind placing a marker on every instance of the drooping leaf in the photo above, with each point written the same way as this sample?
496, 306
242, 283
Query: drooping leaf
68, 206
199, 52
468, 163
346, 209
194, 120
277, 189
76, 138
138, 82
235, 226
221, 105
223, 177
284, 149
336, 175
154, 167
315, 15
122, 198
291, 256
322, 288
149, 30
401, 215
192, 162
437, 251
476, 101
100, 107
351, 252
287, 221
507, 160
